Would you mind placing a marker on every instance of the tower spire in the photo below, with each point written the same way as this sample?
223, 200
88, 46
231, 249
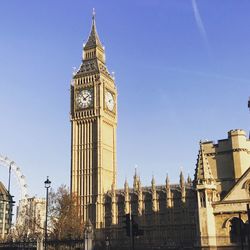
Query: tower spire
93, 14
93, 39
167, 182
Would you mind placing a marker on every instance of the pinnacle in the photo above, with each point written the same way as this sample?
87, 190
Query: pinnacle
167, 181
203, 170
93, 39
153, 181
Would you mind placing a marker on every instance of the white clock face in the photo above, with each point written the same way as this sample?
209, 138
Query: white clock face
84, 98
109, 99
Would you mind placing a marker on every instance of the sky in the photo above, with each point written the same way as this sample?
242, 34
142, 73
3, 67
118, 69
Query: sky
181, 69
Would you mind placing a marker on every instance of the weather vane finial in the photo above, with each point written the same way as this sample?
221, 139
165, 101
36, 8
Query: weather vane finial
93, 14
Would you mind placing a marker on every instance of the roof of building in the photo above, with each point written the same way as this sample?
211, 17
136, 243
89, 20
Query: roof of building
4, 194
3, 190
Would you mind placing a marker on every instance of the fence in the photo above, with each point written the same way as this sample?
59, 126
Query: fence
220, 243
66, 244
51, 245
25, 244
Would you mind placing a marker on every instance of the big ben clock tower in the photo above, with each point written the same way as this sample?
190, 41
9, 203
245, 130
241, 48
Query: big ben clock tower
93, 126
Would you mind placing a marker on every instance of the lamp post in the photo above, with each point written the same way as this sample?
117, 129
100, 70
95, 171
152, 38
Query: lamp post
47, 186
9, 176
88, 236
86, 239
107, 241
10, 197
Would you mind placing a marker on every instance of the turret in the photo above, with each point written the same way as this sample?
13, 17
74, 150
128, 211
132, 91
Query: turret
238, 142
154, 195
183, 188
189, 180
136, 181
126, 197
167, 182
126, 187
140, 198
182, 180
168, 193
153, 183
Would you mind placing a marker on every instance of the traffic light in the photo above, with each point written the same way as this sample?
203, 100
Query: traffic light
126, 221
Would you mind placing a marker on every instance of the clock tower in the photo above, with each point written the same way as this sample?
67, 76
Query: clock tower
93, 131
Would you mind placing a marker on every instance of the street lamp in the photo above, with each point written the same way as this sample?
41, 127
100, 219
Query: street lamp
10, 175
107, 241
47, 186
10, 197
88, 235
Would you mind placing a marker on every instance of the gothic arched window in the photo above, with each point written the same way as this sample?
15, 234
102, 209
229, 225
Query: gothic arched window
236, 226
202, 200
247, 187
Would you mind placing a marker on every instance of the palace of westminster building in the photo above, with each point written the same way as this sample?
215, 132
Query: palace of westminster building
208, 212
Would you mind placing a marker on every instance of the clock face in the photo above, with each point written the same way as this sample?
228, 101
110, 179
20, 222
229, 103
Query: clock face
84, 98
109, 100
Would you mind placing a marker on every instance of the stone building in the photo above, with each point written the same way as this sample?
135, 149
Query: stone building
6, 203
30, 217
166, 213
222, 181
202, 213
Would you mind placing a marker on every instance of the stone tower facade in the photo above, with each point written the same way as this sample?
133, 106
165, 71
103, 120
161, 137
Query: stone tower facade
93, 128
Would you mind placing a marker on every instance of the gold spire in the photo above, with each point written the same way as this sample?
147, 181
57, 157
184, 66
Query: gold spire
93, 39
126, 184
189, 180
167, 182
182, 180
153, 182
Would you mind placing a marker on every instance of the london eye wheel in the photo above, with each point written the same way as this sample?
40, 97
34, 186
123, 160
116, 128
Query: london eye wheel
14, 168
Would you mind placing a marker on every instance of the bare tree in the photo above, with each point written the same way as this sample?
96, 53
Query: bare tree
64, 221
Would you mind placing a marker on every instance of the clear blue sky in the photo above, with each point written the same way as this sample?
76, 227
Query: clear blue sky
182, 71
